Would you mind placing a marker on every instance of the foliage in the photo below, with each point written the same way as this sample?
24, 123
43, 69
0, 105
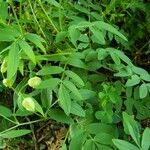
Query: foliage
65, 61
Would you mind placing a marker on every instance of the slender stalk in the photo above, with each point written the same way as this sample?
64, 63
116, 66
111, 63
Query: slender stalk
48, 18
15, 15
35, 18
21, 124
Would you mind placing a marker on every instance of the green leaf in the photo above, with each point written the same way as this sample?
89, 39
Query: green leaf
27, 50
99, 35
146, 139
48, 70
110, 28
49, 83
115, 58
102, 53
74, 77
103, 138
145, 77
143, 91
123, 145
34, 38
59, 116
131, 127
74, 34
121, 55
77, 109
89, 145
4, 111
15, 133
54, 3
13, 61
64, 99
61, 36
46, 98
38, 107
5, 36
72, 88
101, 127
77, 141
133, 81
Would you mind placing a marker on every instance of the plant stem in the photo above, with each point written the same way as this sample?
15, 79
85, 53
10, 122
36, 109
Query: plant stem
48, 18
35, 18
21, 124
17, 19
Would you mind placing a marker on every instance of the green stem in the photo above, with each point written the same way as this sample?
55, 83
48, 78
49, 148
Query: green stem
48, 18
22, 124
35, 18
17, 19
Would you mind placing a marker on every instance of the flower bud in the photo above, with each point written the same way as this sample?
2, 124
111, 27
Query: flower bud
28, 104
34, 82
7, 82
4, 66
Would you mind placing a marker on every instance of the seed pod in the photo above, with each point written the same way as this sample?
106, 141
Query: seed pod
34, 82
28, 104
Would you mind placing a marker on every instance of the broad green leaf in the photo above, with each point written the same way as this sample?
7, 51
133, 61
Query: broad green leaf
87, 94
38, 107
89, 145
15, 133
74, 34
101, 127
5, 36
74, 77
5, 111
103, 147
54, 3
61, 36
104, 138
121, 55
99, 35
102, 53
124, 72
77, 141
115, 58
76, 62
72, 88
13, 61
3, 10
27, 49
146, 139
34, 38
46, 98
138, 70
84, 38
143, 91
133, 81
49, 84
131, 127
76, 109
59, 116
47, 70
64, 99
145, 77
110, 28
123, 145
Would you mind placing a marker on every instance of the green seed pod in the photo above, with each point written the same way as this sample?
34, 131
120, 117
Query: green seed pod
28, 104
34, 82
